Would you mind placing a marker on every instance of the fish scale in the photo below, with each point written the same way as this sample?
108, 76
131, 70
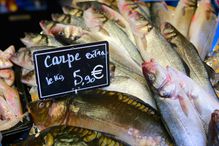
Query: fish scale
150, 42
102, 110
190, 55
69, 135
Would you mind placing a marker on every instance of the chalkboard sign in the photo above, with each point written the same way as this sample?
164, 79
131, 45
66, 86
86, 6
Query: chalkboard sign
71, 69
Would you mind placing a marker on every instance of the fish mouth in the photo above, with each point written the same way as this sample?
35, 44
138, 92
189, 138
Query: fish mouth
148, 68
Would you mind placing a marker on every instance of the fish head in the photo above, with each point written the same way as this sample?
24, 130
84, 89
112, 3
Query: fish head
94, 19
47, 112
213, 129
168, 31
139, 24
32, 39
154, 73
8, 52
48, 27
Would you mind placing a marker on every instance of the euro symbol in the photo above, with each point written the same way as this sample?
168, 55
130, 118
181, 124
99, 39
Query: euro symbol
97, 71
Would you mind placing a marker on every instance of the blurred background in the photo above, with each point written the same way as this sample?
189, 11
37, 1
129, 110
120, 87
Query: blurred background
19, 16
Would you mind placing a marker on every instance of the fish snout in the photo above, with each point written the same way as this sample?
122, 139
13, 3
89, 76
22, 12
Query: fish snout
149, 70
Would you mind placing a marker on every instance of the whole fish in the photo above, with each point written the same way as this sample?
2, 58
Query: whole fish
183, 16
177, 111
97, 22
81, 3
5, 57
203, 26
68, 19
122, 115
150, 42
213, 133
190, 55
72, 11
33, 39
70, 136
68, 34
130, 86
24, 56
160, 13
177, 82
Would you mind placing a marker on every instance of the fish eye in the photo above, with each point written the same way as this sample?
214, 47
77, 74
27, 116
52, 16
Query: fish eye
151, 77
41, 105
61, 33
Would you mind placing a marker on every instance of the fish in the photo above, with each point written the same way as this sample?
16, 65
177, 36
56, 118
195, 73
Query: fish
34, 93
5, 57
121, 70
7, 124
203, 26
5, 110
150, 42
70, 135
179, 115
66, 33
118, 40
132, 87
72, 11
101, 111
115, 16
213, 137
8, 76
203, 103
183, 14
189, 54
29, 78
160, 13
34, 39
83, 3
12, 97
69, 19
24, 56
8, 118
213, 62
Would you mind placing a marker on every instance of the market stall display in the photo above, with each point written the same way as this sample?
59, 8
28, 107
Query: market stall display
161, 91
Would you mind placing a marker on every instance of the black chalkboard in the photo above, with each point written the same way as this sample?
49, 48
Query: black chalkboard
71, 69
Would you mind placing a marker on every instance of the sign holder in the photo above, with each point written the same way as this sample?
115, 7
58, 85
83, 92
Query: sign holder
71, 69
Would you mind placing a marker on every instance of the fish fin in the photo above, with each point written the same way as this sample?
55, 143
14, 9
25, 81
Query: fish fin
210, 71
183, 104
104, 32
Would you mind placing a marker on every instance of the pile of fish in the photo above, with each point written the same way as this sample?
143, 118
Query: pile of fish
160, 92
70, 135
10, 105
